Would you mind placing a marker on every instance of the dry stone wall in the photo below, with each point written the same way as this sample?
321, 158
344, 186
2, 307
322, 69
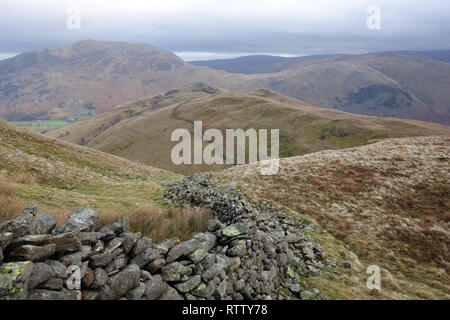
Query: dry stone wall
251, 250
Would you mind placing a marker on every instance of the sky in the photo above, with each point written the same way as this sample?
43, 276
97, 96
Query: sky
216, 29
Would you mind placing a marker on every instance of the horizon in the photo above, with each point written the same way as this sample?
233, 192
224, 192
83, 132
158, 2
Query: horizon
189, 56
209, 30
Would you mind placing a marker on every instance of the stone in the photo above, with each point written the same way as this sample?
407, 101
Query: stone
14, 280
101, 259
67, 242
155, 288
5, 239
207, 242
52, 284
32, 253
41, 273
89, 295
130, 240
88, 278
59, 270
74, 258
136, 293
347, 265
238, 250
295, 288
100, 279
155, 265
221, 289
236, 229
38, 294
183, 249
174, 271
148, 255
82, 219
117, 264
90, 238
171, 294
97, 248
189, 285
118, 226
167, 244
43, 223
141, 245
114, 244
205, 290
213, 225
121, 283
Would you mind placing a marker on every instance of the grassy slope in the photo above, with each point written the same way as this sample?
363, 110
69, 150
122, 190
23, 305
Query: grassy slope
59, 175
140, 130
385, 202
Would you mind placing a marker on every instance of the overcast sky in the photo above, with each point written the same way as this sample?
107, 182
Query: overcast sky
209, 29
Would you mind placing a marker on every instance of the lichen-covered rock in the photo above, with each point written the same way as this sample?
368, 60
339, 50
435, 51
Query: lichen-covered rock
82, 219
205, 290
235, 230
14, 280
189, 285
174, 271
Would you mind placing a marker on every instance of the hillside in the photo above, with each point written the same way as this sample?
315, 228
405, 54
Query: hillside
57, 176
140, 130
386, 202
90, 77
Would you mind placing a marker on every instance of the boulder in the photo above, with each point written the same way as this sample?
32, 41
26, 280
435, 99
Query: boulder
32, 253
41, 273
14, 280
183, 249
82, 219
121, 283
118, 226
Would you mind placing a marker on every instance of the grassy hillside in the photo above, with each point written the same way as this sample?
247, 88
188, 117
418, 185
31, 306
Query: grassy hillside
386, 202
140, 130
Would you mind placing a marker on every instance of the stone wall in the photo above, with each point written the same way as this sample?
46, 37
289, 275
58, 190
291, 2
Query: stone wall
251, 250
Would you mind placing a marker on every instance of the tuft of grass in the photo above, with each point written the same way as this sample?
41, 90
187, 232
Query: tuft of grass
24, 177
163, 223
10, 207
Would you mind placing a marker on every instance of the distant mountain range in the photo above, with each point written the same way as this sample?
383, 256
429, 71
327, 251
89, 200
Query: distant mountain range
270, 64
92, 77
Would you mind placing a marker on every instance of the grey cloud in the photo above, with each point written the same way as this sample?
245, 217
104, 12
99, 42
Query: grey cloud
231, 27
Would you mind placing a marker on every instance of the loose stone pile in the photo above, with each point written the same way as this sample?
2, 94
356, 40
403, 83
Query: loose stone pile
250, 251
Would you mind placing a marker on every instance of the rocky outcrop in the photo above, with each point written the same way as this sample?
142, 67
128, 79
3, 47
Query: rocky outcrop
251, 250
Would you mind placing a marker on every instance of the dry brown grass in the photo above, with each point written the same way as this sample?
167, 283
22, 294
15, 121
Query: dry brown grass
10, 207
160, 224
24, 177
387, 202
